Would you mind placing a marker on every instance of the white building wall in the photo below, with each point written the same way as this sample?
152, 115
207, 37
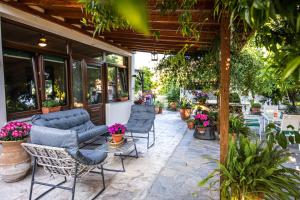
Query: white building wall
2, 86
118, 112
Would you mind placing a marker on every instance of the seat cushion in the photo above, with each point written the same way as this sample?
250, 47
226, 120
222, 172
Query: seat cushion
90, 134
139, 126
75, 119
54, 137
142, 112
87, 156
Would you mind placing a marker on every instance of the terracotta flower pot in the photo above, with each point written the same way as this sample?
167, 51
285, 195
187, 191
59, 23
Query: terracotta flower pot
185, 113
117, 138
46, 110
160, 110
157, 110
124, 98
173, 105
191, 125
14, 161
201, 130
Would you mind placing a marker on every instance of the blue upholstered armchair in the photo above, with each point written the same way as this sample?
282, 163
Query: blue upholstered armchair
77, 120
58, 153
141, 121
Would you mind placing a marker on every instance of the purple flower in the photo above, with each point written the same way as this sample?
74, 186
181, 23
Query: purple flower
116, 129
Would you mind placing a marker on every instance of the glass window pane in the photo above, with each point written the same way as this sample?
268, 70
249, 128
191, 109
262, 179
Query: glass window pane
115, 59
94, 84
55, 78
122, 82
20, 86
77, 84
112, 84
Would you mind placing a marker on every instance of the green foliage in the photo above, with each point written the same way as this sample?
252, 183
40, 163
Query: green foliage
252, 169
237, 126
256, 105
185, 103
246, 68
234, 98
51, 103
282, 138
277, 23
148, 83
190, 72
116, 14
158, 104
173, 95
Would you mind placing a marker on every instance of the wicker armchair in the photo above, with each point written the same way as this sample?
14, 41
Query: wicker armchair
58, 153
141, 121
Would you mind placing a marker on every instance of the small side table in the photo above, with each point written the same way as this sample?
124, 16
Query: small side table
128, 149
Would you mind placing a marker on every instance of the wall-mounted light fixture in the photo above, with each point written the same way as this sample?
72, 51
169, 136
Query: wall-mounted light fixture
154, 56
42, 41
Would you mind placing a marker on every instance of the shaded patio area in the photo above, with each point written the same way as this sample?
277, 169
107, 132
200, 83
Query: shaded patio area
169, 170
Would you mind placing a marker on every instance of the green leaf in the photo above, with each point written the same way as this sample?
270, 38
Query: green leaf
297, 137
291, 67
291, 139
135, 12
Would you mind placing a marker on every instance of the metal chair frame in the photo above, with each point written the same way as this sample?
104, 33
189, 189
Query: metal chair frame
57, 161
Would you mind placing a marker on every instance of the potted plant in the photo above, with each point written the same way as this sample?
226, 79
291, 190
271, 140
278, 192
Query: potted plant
255, 170
50, 106
255, 108
190, 123
200, 97
123, 96
185, 108
139, 100
158, 107
117, 131
14, 160
237, 126
173, 97
201, 122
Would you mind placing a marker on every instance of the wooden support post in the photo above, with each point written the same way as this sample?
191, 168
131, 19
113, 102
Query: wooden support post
224, 87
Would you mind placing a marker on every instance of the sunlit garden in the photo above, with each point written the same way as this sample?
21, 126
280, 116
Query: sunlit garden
150, 99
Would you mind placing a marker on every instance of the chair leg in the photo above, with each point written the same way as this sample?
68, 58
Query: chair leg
32, 178
74, 182
103, 183
135, 149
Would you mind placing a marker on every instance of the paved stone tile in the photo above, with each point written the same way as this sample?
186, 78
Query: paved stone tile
133, 184
189, 163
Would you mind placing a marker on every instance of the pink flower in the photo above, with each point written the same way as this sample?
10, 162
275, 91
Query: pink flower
15, 134
116, 129
206, 123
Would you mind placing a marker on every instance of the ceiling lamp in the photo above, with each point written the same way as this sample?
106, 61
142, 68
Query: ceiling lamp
42, 41
154, 56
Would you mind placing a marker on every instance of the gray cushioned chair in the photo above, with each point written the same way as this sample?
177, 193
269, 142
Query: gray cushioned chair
58, 153
141, 121
75, 119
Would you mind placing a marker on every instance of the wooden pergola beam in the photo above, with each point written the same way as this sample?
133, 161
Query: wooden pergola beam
224, 87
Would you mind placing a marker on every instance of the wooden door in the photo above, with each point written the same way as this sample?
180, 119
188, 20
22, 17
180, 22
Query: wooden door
88, 88
95, 95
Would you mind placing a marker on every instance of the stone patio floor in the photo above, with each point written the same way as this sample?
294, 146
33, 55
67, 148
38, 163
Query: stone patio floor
170, 170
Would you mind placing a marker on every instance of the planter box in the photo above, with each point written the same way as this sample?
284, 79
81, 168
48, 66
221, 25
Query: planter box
46, 110
209, 134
